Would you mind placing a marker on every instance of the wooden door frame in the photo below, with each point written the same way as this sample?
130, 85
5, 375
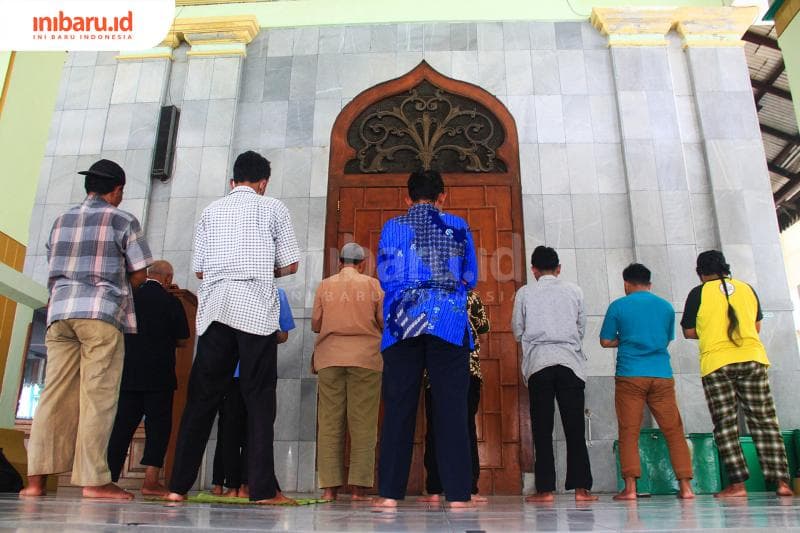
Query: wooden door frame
341, 152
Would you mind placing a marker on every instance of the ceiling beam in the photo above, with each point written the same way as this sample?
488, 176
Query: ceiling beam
780, 134
761, 40
768, 88
783, 154
770, 81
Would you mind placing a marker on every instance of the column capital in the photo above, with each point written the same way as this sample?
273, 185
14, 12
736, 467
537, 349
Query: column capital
714, 26
634, 26
214, 35
698, 26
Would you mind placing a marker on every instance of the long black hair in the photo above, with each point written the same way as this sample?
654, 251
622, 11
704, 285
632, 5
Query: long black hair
712, 263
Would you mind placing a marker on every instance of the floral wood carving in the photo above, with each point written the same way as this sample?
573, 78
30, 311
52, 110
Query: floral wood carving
429, 128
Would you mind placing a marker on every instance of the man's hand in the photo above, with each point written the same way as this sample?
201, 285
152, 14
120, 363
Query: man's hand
608, 343
137, 278
198, 275
282, 337
287, 270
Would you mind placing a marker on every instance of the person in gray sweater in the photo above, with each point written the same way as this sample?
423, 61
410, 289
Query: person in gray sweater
549, 320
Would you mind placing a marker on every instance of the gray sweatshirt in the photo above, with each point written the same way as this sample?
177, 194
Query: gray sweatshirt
550, 320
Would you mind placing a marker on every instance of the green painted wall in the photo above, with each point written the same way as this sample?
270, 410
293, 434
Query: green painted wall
24, 125
789, 42
333, 12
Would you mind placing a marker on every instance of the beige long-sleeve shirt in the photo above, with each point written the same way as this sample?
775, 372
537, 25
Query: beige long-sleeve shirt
348, 315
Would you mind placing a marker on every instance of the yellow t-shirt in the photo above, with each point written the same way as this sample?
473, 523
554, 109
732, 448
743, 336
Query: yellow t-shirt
706, 310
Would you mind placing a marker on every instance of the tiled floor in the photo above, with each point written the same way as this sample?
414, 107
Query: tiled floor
506, 514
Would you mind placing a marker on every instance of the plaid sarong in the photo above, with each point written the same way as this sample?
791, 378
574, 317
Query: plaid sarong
747, 383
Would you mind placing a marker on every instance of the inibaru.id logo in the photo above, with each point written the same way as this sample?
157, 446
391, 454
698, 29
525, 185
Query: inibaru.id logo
98, 27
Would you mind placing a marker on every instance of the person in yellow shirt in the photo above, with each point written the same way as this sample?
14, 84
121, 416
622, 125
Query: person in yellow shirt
724, 314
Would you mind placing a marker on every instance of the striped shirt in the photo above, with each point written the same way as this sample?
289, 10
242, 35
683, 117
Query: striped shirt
426, 265
91, 250
239, 242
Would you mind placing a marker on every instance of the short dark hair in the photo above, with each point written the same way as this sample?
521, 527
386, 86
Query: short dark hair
101, 186
251, 167
544, 259
425, 185
637, 274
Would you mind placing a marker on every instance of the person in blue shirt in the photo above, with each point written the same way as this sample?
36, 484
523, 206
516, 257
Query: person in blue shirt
641, 325
233, 442
426, 265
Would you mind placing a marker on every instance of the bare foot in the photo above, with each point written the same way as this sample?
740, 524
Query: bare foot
540, 497
217, 490
583, 495
37, 486
625, 495
685, 491
279, 499
330, 493
430, 498
385, 503
460, 505
359, 494
230, 493
734, 490
175, 497
477, 498
108, 492
244, 491
154, 490
784, 489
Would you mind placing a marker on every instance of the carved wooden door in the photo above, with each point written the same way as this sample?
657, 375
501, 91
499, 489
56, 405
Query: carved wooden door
426, 120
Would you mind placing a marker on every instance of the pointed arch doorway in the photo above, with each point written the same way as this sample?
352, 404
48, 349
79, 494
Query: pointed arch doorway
426, 120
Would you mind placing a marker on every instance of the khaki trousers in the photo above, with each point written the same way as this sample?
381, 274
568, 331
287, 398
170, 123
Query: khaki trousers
350, 395
76, 410
659, 395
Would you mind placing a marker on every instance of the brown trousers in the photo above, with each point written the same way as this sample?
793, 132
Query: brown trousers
76, 410
349, 398
632, 394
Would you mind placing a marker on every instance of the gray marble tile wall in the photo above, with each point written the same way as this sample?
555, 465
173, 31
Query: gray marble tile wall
105, 109
646, 154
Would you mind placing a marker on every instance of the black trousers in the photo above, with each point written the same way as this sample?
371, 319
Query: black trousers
234, 435
218, 351
448, 371
218, 468
544, 387
156, 408
433, 483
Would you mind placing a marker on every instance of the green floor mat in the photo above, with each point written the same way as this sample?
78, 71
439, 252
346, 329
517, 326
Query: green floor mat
205, 497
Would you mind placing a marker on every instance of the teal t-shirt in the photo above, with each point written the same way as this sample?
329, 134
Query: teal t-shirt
644, 325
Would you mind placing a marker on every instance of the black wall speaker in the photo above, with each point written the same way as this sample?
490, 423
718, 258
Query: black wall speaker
164, 152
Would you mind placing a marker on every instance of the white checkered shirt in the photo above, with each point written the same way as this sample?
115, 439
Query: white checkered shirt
238, 243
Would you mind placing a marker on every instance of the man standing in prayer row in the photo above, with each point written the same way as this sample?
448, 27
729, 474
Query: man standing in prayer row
242, 243
550, 320
426, 266
348, 316
148, 377
97, 255
641, 325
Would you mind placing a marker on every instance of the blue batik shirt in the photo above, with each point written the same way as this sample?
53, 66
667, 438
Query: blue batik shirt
426, 265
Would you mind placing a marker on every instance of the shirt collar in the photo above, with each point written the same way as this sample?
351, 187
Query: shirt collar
243, 188
94, 199
547, 277
154, 280
422, 207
